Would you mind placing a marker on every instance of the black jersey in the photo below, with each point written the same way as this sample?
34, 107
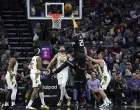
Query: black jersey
78, 43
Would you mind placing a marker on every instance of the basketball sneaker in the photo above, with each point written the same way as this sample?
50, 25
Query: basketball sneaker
30, 108
104, 105
68, 101
44, 107
59, 103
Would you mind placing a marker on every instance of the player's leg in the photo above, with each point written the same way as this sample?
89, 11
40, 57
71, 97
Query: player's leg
83, 87
34, 93
104, 84
59, 79
8, 94
41, 95
62, 84
64, 81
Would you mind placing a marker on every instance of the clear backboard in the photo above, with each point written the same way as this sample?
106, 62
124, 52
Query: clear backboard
39, 9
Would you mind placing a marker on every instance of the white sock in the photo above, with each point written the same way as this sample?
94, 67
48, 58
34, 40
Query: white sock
41, 95
13, 103
65, 93
30, 103
106, 100
6, 104
62, 93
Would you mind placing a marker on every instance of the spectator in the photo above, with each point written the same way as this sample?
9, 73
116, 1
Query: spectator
127, 75
106, 55
121, 89
110, 64
53, 38
5, 56
93, 85
118, 59
123, 64
129, 66
1, 22
131, 43
134, 86
137, 71
116, 49
116, 68
114, 29
136, 64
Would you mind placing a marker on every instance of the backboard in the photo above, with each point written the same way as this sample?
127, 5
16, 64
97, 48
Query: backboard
39, 9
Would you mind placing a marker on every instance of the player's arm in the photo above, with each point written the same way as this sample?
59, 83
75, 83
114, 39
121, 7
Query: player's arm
68, 56
39, 64
19, 75
94, 60
74, 24
52, 61
11, 65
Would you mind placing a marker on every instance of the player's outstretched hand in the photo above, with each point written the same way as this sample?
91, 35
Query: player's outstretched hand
72, 16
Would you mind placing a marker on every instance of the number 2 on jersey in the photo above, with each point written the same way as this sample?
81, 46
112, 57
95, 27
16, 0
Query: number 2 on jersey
81, 42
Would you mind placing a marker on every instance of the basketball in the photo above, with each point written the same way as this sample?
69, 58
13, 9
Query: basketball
68, 6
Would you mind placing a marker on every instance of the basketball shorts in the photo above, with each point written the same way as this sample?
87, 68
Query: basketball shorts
35, 80
62, 77
105, 82
10, 81
80, 59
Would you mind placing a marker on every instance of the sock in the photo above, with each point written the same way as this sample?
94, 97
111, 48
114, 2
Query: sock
30, 103
62, 93
106, 100
65, 93
13, 102
13, 96
6, 104
41, 95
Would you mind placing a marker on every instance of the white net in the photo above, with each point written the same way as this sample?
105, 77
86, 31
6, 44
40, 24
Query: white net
56, 20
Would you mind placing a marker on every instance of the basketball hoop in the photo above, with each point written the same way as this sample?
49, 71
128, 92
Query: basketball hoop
56, 20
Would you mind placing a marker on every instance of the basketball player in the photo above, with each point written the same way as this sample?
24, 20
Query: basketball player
77, 55
62, 76
11, 80
35, 71
77, 58
105, 78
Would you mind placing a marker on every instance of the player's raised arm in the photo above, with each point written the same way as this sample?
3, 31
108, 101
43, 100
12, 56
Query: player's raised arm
93, 60
52, 61
75, 25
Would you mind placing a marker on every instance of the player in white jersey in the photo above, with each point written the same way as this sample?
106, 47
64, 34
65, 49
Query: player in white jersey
11, 80
62, 76
35, 71
105, 80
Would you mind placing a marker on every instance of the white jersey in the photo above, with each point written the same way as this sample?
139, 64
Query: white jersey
33, 66
15, 68
104, 69
60, 60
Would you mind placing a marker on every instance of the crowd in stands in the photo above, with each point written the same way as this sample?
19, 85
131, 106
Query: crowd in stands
114, 24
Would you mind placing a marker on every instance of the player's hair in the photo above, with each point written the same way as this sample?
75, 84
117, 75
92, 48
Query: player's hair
36, 51
103, 54
12, 53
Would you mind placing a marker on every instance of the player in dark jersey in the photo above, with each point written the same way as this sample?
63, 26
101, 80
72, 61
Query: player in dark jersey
76, 61
78, 56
